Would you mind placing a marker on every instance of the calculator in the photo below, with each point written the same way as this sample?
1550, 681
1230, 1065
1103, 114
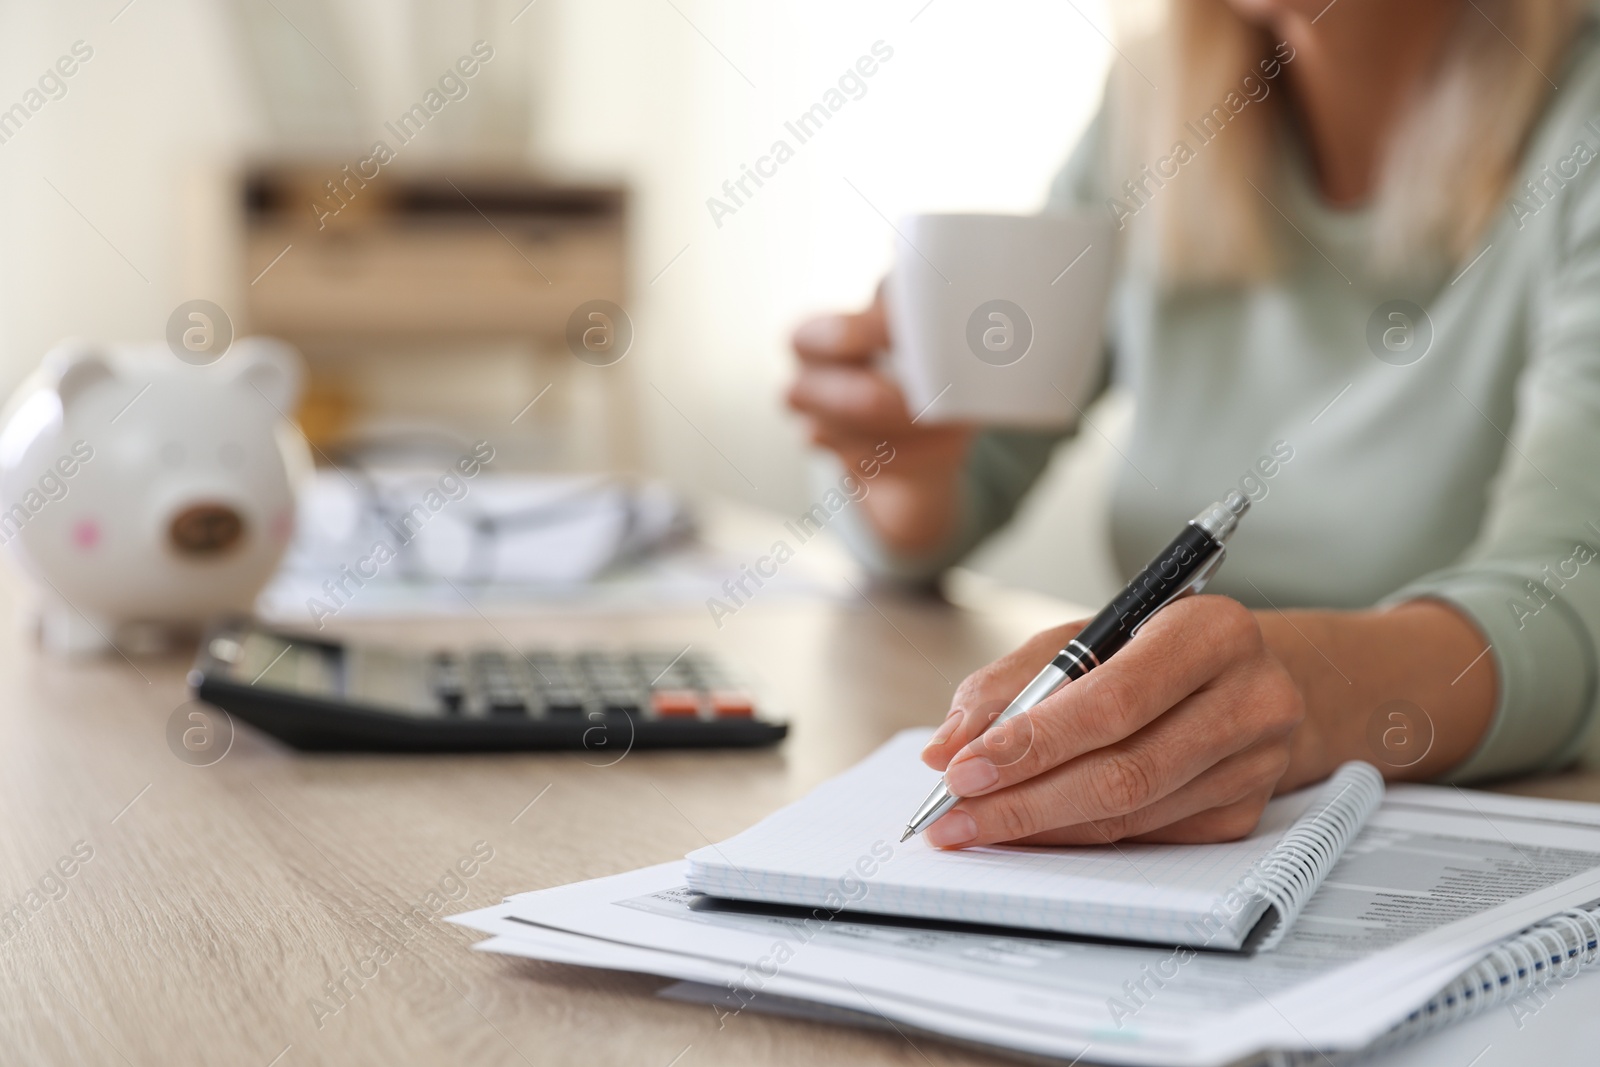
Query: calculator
327, 696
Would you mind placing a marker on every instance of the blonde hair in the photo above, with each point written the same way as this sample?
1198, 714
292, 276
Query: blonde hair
1445, 171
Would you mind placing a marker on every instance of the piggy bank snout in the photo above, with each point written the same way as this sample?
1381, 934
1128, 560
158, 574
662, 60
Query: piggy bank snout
204, 529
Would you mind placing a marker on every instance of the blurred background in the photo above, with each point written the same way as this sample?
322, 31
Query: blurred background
186, 157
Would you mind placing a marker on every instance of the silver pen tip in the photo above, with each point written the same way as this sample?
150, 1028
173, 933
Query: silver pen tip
908, 833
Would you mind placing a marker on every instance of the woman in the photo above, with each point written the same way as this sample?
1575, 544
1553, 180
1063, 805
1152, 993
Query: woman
1421, 578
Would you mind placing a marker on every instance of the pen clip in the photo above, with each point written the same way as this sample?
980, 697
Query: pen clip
1195, 585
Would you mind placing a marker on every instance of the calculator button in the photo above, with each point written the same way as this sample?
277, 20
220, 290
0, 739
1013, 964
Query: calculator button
449, 685
676, 703
623, 701
731, 704
563, 702
507, 703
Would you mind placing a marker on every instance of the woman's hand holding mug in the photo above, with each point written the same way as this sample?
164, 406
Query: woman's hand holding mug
852, 405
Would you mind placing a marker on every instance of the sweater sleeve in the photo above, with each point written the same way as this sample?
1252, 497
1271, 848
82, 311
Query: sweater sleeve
1003, 464
1531, 581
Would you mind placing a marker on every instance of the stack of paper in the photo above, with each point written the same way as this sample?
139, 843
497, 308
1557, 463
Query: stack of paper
1426, 892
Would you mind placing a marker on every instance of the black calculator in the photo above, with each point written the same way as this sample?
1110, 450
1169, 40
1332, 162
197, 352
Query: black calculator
325, 696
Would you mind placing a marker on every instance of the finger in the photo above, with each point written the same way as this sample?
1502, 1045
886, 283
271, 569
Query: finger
1117, 781
1222, 716
853, 338
842, 440
1180, 651
1231, 786
1229, 823
941, 446
852, 398
987, 692
1209, 826
1224, 804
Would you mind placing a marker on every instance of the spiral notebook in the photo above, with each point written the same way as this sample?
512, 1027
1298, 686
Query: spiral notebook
838, 849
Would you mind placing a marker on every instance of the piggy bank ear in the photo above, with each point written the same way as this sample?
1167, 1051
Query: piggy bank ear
72, 366
270, 367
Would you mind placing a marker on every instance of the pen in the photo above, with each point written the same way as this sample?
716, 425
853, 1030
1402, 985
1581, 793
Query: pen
1183, 567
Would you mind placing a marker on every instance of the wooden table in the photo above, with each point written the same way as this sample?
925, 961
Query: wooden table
220, 901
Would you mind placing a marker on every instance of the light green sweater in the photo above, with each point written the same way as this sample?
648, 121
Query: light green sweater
1471, 475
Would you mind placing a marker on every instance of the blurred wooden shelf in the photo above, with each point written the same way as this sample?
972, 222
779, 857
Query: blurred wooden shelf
426, 295
463, 255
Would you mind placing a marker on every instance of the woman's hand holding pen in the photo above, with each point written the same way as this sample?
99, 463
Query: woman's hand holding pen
1183, 736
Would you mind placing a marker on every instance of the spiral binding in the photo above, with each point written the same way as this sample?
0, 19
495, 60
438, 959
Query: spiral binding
1553, 950
1290, 873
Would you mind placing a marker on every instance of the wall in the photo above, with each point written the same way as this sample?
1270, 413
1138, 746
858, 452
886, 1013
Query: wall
974, 111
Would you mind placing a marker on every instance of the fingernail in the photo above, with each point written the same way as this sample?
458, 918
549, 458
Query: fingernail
942, 734
955, 829
828, 331
972, 776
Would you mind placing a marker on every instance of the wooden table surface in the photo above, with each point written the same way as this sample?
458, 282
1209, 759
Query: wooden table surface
217, 902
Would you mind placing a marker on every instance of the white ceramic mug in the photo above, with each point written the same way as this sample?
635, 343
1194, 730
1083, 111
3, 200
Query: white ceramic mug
999, 319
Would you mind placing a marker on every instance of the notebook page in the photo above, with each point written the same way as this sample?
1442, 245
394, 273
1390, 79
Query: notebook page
839, 847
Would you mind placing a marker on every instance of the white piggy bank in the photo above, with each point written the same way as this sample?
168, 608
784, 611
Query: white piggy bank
143, 494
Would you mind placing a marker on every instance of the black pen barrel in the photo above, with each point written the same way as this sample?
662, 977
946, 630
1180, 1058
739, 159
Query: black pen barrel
1167, 575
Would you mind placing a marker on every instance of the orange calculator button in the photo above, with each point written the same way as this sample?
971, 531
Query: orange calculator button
676, 703
728, 704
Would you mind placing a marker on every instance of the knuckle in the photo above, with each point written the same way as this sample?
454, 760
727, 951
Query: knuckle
1279, 764
847, 336
1012, 743
1012, 818
970, 687
976, 697
1238, 821
1127, 783
1284, 702
1234, 623
1115, 701
1260, 769
882, 402
865, 331
1116, 828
